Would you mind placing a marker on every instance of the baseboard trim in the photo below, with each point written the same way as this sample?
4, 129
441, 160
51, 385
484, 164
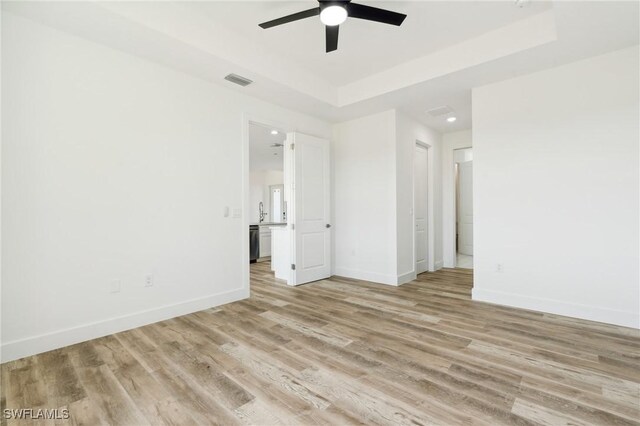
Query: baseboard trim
574, 310
406, 277
367, 276
46, 342
376, 278
438, 265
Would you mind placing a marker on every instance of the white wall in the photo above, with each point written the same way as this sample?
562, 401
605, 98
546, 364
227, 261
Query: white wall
114, 167
373, 196
259, 181
408, 131
1, 133
556, 190
450, 143
364, 198
463, 155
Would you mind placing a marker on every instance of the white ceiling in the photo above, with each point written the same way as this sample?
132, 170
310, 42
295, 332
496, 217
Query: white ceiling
435, 58
262, 155
364, 47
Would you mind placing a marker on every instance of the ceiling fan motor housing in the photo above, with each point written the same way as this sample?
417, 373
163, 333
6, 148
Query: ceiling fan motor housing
326, 3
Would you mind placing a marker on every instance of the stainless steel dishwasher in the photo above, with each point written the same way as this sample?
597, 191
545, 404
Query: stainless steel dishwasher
254, 243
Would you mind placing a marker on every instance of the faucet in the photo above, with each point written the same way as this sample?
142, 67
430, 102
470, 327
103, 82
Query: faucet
261, 210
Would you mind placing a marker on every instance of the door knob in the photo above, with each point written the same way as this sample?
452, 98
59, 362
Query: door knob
328, 225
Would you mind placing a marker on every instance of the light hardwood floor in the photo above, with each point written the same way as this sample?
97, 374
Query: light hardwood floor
342, 352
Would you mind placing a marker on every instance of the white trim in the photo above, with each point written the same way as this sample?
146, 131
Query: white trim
376, 278
439, 265
45, 342
367, 276
574, 310
449, 201
406, 277
289, 197
246, 119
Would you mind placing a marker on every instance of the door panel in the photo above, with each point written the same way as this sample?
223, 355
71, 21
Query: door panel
420, 207
311, 215
313, 248
465, 208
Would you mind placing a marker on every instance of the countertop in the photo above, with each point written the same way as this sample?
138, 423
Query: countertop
270, 224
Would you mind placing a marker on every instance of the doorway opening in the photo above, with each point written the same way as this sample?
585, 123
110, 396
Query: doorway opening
287, 235
266, 208
463, 171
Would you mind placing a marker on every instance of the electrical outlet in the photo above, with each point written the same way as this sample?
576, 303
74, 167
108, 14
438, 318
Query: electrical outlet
115, 286
499, 268
148, 280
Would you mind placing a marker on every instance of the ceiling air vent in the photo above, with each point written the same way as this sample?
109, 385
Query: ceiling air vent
237, 79
441, 110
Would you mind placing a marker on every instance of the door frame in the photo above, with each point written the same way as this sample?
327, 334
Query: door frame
459, 216
449, 201
430, 216
247, 120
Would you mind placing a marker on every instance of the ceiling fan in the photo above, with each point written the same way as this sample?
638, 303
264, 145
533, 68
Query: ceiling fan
335, 12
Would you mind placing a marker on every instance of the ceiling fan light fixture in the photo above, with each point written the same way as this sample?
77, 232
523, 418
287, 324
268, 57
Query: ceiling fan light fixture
333, 15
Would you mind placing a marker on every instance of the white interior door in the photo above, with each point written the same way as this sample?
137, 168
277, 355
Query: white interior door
311, 236
420, 164
465, 208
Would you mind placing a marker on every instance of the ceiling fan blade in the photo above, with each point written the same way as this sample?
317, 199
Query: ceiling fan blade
369, 13
290, 18
332, 37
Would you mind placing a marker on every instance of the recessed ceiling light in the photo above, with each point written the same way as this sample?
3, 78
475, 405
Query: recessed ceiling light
451, 119
274, 132
333, 15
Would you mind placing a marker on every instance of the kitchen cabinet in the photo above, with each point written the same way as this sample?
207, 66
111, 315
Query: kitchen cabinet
265, 241
280, 260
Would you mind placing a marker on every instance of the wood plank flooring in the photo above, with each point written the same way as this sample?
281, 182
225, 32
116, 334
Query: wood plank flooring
343, 352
